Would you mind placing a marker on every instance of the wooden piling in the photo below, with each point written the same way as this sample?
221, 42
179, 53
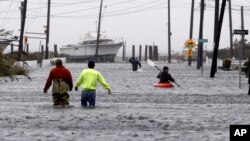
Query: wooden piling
156, 58
150, 52
55, 50
27, 48
146, 53
133, 51
42, 49
140, 53
124, 51
11, 48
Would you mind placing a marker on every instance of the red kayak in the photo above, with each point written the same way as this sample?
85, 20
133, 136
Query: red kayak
163, 85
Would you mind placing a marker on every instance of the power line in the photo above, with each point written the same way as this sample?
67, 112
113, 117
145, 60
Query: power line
129, 8
33, 19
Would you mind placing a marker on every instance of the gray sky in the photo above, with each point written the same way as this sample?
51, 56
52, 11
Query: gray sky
135, 21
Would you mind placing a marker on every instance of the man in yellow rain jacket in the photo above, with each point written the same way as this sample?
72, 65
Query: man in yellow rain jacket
88, 79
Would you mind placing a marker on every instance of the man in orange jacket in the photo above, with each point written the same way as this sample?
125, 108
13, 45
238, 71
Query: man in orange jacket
62, 83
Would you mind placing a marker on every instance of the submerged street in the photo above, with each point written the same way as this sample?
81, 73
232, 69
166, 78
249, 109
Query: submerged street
202, 109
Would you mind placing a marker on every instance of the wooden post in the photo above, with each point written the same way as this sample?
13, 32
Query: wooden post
55, 50
133, 51
156, 53
27, 48
146, 53
140, 53
42, 50
150, 52
124, 51
11, 48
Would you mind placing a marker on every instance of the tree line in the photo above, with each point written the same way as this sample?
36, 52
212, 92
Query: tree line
225, 52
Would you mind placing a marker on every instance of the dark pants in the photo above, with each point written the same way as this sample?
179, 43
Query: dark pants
134, 66
60, 99
88, 96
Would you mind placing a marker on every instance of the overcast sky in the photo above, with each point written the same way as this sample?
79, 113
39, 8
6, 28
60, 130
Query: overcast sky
138, 22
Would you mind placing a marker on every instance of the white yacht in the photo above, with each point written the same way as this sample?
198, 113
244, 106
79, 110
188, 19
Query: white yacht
86, 49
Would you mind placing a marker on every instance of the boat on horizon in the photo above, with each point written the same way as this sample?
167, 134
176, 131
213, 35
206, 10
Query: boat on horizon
85, 50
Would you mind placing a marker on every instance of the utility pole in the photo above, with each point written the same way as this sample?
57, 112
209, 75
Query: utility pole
216, 17
47, 32
191, 30
242, 45
243, 37
216, 20
98, 31
230, 29
191, 20
217, 41
169, 34
200, 45
23, 9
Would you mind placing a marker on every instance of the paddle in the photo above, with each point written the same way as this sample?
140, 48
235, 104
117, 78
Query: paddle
152, 64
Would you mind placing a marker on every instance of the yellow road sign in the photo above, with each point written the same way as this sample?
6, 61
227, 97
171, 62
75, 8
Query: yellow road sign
190, 43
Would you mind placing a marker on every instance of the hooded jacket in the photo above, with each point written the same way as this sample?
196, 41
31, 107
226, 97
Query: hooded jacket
61, 78
164, 76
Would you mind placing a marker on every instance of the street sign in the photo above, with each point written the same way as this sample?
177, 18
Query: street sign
238, 31
202, 40
189, 43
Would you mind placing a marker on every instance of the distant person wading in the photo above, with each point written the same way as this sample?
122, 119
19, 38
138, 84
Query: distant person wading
135, 63
88, 79
62, 83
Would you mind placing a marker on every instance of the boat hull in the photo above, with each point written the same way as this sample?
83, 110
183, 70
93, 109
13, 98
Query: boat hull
99, 58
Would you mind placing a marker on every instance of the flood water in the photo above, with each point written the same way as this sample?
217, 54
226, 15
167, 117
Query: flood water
202, 109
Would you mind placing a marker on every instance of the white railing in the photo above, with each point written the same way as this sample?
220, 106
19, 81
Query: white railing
34, 64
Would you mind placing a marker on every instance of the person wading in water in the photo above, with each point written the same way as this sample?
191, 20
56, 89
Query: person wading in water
62, 83
88, 79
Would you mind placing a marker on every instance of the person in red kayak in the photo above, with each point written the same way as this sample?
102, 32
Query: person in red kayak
62, 83
164, 76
